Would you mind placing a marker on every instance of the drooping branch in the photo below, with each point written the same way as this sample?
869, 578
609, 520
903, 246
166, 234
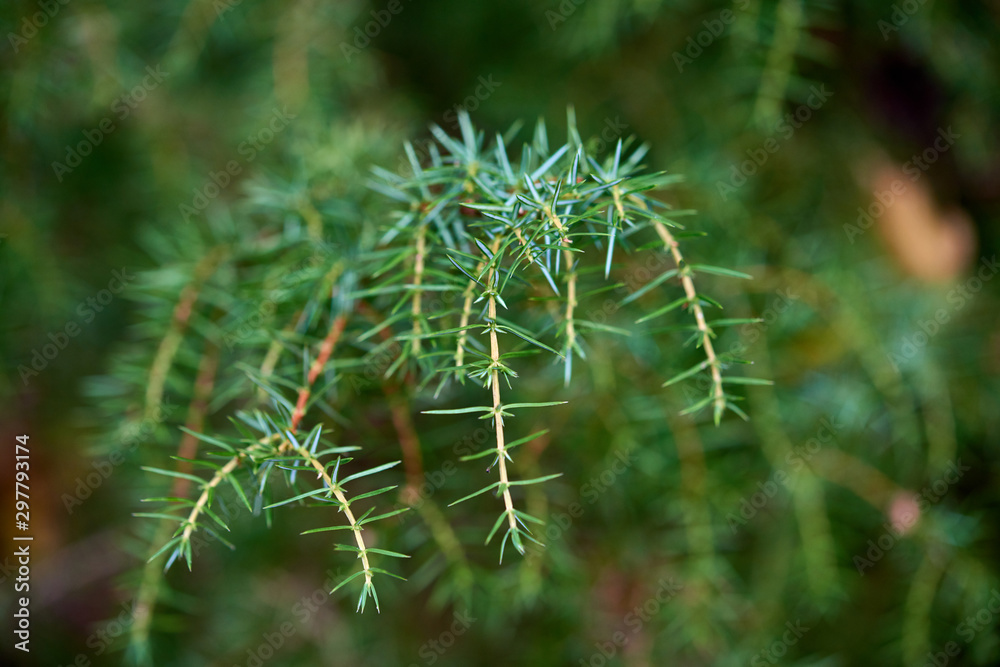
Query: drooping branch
497, 416
418, 278
325, 350
171, 342
321, 472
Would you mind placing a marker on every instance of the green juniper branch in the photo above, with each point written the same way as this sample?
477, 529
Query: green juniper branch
506, 239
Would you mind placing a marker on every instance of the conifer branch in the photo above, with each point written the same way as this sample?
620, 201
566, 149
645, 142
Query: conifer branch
418, 278
325, 350
718, 394
206, 494
171, 342
570, 289
497, 412
345, 505
463, 323
152, 572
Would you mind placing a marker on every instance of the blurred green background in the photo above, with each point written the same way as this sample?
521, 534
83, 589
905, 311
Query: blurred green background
842, 152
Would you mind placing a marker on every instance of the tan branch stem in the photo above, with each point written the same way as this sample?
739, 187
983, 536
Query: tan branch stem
498, 419
325, 350
699, 314
342, 499
418, 278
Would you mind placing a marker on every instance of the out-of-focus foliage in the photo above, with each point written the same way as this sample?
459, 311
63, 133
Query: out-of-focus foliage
840, 152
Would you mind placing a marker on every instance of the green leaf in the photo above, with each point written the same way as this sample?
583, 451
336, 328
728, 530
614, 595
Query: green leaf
174, 473
477, 493
346, 581
371, 471
652, 284
735, 321
208, 510
385, 552
166, 546
532, 405
736, 379
686, 374
369, 494
239, 491
462, 269
208, 439
387, 573
168, 499
325, 529
602, 327
507, 447
528, 517
735, 408
160, 515
527, 338
307, 494
698, 406
663, 311
720, 271
496, 527
536, 480
379, 517
457, 411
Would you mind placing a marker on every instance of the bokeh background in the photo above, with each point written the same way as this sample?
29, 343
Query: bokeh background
844, 153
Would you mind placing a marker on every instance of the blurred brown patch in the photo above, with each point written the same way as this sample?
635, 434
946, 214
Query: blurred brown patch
928, 244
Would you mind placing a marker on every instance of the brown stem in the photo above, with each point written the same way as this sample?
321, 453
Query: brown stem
570, 282
175, 334
348, 514
699, 316
418, 277
325, 350
466, 314
152, 572
203, 385
498, 419
202, 501
409, 442
692, 297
